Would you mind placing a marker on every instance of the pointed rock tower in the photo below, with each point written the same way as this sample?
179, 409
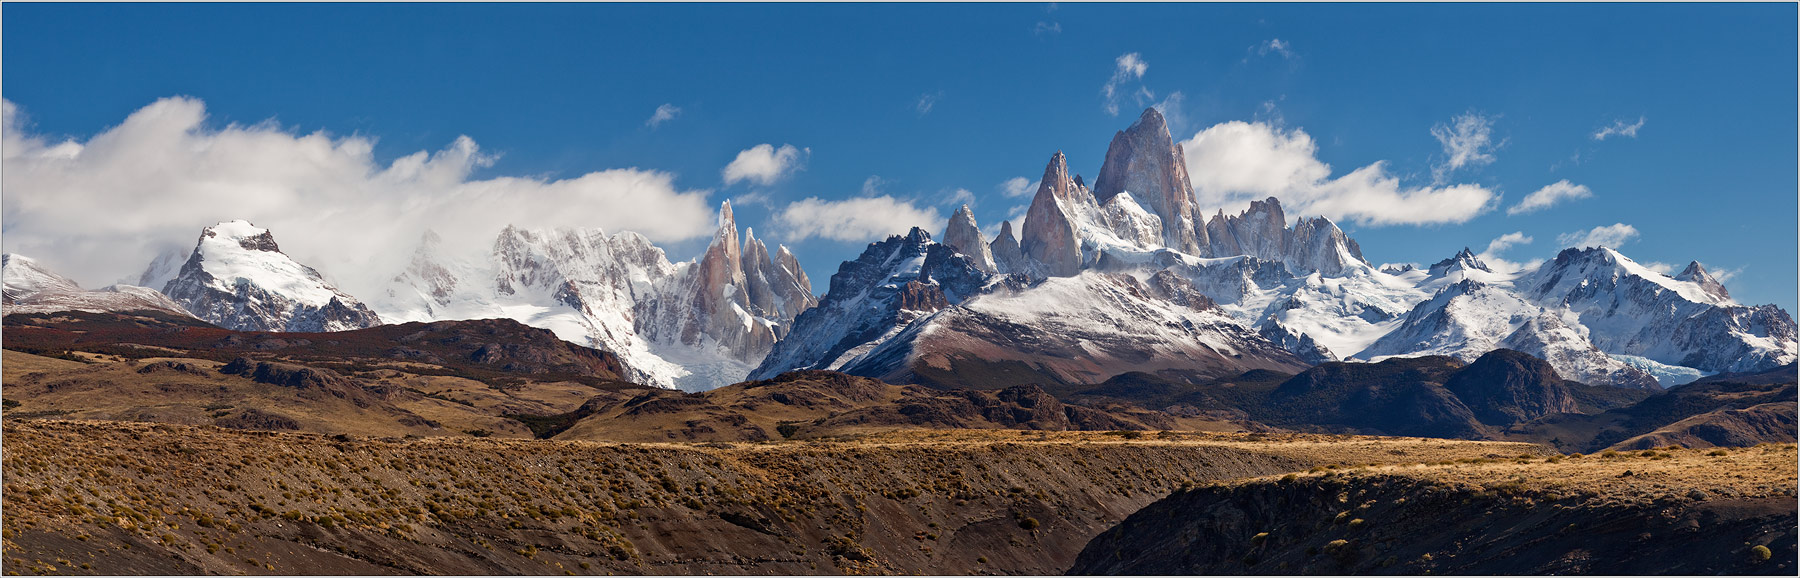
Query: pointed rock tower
1050, 240
963, 236
1145, 160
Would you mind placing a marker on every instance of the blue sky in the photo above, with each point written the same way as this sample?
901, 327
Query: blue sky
555, 92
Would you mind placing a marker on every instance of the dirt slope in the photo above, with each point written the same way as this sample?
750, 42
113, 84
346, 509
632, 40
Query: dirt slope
108, 497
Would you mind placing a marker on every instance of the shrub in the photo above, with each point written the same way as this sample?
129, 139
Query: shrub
1760, 552
480, 433
1609, 454
1718, 453
1029, 523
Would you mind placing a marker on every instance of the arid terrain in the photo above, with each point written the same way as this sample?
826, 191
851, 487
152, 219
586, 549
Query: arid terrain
111, 497
1666, 511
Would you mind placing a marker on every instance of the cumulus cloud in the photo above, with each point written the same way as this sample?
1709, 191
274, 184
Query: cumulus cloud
1236, 162
1611, 236
100, 210
1619, 128
1499, 245
764, 164
1551, 194
663, 114
1127, 69
1467, 141
1659, 267
1018, 187
1277, 46
854, 219
1502, 243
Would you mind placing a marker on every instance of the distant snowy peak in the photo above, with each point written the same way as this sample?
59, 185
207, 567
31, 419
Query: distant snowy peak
238, 278
692, 325
1464, 260
25, 277
31, 288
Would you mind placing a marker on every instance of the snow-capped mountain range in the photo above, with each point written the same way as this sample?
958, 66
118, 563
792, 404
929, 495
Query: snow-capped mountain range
1129, 275
30, 288
693, 325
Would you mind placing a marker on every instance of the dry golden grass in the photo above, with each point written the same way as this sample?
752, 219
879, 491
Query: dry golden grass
1637, 476
898, 502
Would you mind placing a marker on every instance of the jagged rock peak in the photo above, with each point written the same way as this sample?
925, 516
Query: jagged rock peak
1144, 160
1696, 273
1049, 235
965, 237
1463, 260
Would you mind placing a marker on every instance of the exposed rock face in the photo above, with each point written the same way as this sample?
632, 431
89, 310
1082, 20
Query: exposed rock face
1145, 161
1505, 387
963, 236
30, 288
1049, 230
1008, 258
238, 278
694, 325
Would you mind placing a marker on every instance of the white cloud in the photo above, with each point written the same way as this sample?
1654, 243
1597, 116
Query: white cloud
764, 164
872, 186
1018, 187
1612, 236
1660, 267
1052, 28
101, 209
1502, 243
663, 114
1619, 128
1275, 45
854, 219
959, 197
1236, 162
928, 100
1173, 115
1551, 194
1467, 141
1128, 68
755, 198
1722, 274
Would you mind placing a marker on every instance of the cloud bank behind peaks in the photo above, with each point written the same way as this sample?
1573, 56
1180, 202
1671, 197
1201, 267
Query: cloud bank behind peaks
1233, 163
101, 209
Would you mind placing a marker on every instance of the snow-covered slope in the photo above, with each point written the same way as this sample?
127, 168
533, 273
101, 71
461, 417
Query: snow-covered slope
910, 310
30, 288
238, 278
694, 325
